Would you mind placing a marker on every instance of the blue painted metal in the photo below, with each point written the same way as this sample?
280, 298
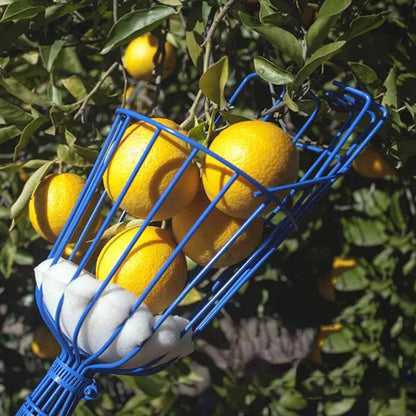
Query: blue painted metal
70, 377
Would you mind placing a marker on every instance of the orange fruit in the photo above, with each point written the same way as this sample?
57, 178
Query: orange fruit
370, 164
139, 57
142, 264
164, 160
52, 202
44, 344
213, 233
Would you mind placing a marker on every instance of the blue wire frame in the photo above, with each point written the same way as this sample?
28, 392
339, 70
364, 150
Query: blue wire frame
70, 379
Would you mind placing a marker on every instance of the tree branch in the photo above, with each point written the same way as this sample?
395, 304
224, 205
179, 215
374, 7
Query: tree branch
208, 45
85, 100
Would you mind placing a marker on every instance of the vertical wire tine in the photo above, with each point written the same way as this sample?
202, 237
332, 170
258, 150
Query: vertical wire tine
157, 276
97, 239
310, 119
276, 103
115, 128
87, 226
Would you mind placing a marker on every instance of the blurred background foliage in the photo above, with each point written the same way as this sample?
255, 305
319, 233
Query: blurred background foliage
305, 336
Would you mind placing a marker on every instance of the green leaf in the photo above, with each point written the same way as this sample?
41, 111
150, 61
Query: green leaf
21, 10
363, 24
7, 256
30, 164
13, 114
339, 408
289, 102
23, 259
57, 11
293, 400
76, 87
71, 157
271, 72
135, 24
9, 132
50, 53
364, 233
278, 14
352, 280
363, 72
213, 81
234, 116
69, 61
198, 133
390, 96
192, 297
372, 203
317, 58
283, 40
15, 88
193, 44
318, 32
339, 342
331, 7
88, 154
194, 34
27, 191
27, 133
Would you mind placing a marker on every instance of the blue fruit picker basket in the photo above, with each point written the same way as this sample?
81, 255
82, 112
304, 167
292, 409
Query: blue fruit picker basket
70, 377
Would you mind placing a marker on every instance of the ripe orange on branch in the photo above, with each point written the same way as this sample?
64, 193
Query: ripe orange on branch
140, 54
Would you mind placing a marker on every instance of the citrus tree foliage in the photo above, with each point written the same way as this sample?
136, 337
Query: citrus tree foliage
62, 77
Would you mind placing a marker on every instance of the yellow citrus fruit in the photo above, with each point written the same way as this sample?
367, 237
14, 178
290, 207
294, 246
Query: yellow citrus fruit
370, 164
82, 250
140, 54
263, 151
326, 283
142, 263
44, 344
324, 332
164, 160
52, 202
214, 232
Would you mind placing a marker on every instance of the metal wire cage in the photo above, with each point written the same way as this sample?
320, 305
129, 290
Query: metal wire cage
69, 378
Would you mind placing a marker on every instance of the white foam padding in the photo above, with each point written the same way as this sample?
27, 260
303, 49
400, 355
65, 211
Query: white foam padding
110, 312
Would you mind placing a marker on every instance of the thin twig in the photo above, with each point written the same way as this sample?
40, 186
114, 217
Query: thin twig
207, 44
191, 115
125, 81
85, 100
217, 21
115, 11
